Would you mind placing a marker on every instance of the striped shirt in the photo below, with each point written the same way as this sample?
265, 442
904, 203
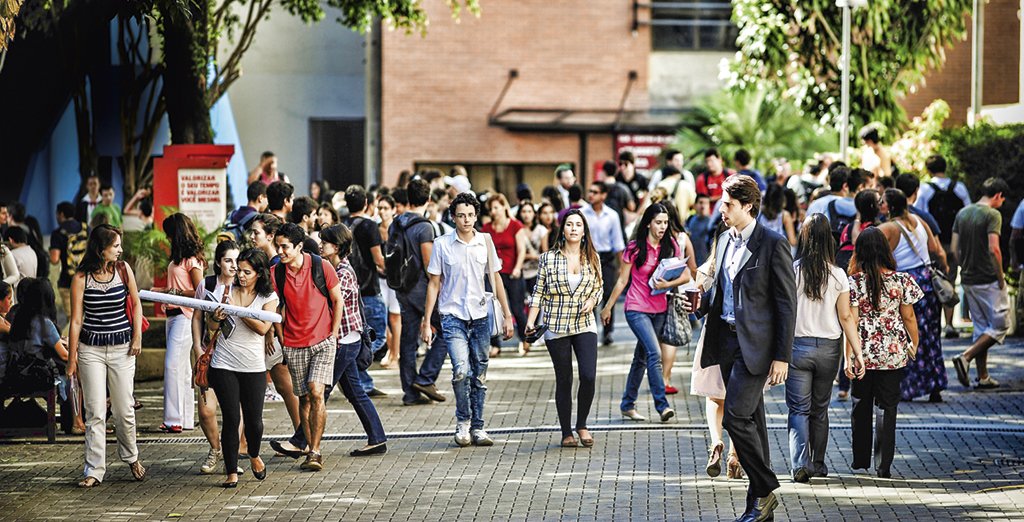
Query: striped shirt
105, 321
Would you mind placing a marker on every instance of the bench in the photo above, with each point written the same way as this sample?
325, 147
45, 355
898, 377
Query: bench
50, 429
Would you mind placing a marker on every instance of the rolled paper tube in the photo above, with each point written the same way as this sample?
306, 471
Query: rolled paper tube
209, 306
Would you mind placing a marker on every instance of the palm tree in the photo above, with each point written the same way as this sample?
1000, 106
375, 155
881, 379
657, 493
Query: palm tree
755, 120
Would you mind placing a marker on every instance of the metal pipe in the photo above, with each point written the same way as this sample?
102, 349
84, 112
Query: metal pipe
977, 54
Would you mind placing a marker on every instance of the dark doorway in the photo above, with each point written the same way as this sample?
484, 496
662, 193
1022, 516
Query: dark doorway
337, 151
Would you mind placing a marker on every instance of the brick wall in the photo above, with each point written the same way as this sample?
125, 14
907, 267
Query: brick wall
438, 89
1001, 67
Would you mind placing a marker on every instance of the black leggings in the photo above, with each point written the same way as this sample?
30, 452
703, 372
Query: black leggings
560, 350
232, 389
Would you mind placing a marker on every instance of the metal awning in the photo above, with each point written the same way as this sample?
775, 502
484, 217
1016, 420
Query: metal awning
587, 120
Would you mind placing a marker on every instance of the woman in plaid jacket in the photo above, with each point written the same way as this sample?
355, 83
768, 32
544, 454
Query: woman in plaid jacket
568, 288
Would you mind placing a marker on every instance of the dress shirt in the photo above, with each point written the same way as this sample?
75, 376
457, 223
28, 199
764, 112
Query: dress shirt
605, 229
733, 256
462, 267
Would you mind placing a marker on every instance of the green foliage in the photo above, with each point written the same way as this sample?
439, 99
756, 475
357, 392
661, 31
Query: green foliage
915, 145
754, 120
8, 11
974, 154
795, 45
152, 248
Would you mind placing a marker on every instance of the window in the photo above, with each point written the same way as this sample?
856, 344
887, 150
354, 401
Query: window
692, 25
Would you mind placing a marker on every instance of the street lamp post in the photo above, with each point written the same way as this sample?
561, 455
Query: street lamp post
844, 135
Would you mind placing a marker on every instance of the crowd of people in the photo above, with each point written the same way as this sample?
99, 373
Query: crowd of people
802, 279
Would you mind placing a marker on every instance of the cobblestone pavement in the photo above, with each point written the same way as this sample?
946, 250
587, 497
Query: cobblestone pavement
959, 460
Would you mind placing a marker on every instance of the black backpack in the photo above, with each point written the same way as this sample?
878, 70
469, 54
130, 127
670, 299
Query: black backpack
943, 207
317, 271
838, 222
399, 254
237, 230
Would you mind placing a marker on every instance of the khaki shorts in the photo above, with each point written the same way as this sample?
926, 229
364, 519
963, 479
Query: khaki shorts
990, 310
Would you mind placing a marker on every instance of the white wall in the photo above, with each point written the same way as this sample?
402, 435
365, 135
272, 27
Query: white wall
294, 72
679, 79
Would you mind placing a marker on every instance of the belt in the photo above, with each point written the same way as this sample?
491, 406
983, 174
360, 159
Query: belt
171, 312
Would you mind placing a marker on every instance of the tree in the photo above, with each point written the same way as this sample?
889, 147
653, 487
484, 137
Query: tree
795, 45
754, 120
8, 12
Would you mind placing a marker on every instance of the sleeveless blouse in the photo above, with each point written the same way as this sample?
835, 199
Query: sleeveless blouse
105, 321
906, 256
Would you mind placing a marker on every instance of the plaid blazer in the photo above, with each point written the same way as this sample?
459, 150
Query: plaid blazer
560, 306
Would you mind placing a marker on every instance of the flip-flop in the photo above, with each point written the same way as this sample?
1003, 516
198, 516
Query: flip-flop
138, 470
89, 482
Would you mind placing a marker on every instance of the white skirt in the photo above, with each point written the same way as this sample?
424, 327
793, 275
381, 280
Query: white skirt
706, 382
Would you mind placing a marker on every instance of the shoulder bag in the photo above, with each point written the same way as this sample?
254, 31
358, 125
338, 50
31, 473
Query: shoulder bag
944, 290
129, 308
495, 315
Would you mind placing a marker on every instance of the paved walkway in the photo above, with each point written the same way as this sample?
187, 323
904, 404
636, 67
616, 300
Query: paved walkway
959, 460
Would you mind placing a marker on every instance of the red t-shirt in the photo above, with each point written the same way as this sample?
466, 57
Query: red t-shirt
307, 315
505, 244
711, 185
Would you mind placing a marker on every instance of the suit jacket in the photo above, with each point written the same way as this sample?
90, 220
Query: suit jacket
764, 297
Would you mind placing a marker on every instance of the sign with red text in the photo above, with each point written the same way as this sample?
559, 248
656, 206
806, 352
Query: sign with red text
202, 195
646, 148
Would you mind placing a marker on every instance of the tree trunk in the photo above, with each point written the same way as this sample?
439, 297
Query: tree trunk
185, 33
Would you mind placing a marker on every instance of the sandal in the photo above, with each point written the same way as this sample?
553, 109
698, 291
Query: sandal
75, 430
569, 442
138, 471
89, 482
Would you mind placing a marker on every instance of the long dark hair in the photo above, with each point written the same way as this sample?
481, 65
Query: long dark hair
554, 197
259, 261
867, 205
588, 253
872, 255
37, 301
100, 238
816, 252
519, 215
222, 250
897, 202
774, 201
643, 228
184, 238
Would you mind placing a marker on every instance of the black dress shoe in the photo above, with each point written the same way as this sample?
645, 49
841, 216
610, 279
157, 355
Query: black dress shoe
761, 510
884, 473
229, 485
416, 402
376, 393
379, 449
606, 340
278, 447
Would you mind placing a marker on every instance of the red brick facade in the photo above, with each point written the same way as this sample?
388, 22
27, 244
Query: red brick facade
438, 89
1001, 67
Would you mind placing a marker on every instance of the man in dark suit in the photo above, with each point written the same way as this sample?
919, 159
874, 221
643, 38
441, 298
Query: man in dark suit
751, 312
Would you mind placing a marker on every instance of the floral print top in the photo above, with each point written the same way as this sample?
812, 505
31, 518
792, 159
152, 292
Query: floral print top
883, 338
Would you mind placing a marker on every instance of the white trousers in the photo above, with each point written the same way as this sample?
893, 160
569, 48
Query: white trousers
179, 398
103, 368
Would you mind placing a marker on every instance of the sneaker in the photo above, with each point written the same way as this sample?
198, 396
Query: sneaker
481, 438
952, 333
272, 395
462, 437
987, 383
314, 462
667, 414
962, 368
210, 464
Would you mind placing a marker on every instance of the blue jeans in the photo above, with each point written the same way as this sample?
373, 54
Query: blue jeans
808, 393
646, 357
346, 374
377, 318
468, 346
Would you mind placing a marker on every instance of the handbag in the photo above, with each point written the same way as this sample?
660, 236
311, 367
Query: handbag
365, 356
677, 330
129, 308
943, 288
495, 317
201, 370
532, 336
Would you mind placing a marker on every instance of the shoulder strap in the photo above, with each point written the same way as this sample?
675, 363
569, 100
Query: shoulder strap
906, 235
317, 271
122, 272
279, 278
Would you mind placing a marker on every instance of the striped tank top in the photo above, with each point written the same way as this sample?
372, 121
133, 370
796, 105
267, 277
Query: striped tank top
105, 322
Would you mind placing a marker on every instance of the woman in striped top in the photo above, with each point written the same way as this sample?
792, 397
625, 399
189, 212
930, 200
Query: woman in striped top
102, 348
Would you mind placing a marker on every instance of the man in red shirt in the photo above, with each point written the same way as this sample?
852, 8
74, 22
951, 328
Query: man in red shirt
709, 182
308, 332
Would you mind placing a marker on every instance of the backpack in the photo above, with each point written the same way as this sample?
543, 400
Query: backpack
943, 207
236, 231
366, 272
317, 272
399, 267
74, 249
838, 221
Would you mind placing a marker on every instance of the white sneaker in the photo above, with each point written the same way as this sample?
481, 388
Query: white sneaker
462, 437
272, 395
480, 438
210, 464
